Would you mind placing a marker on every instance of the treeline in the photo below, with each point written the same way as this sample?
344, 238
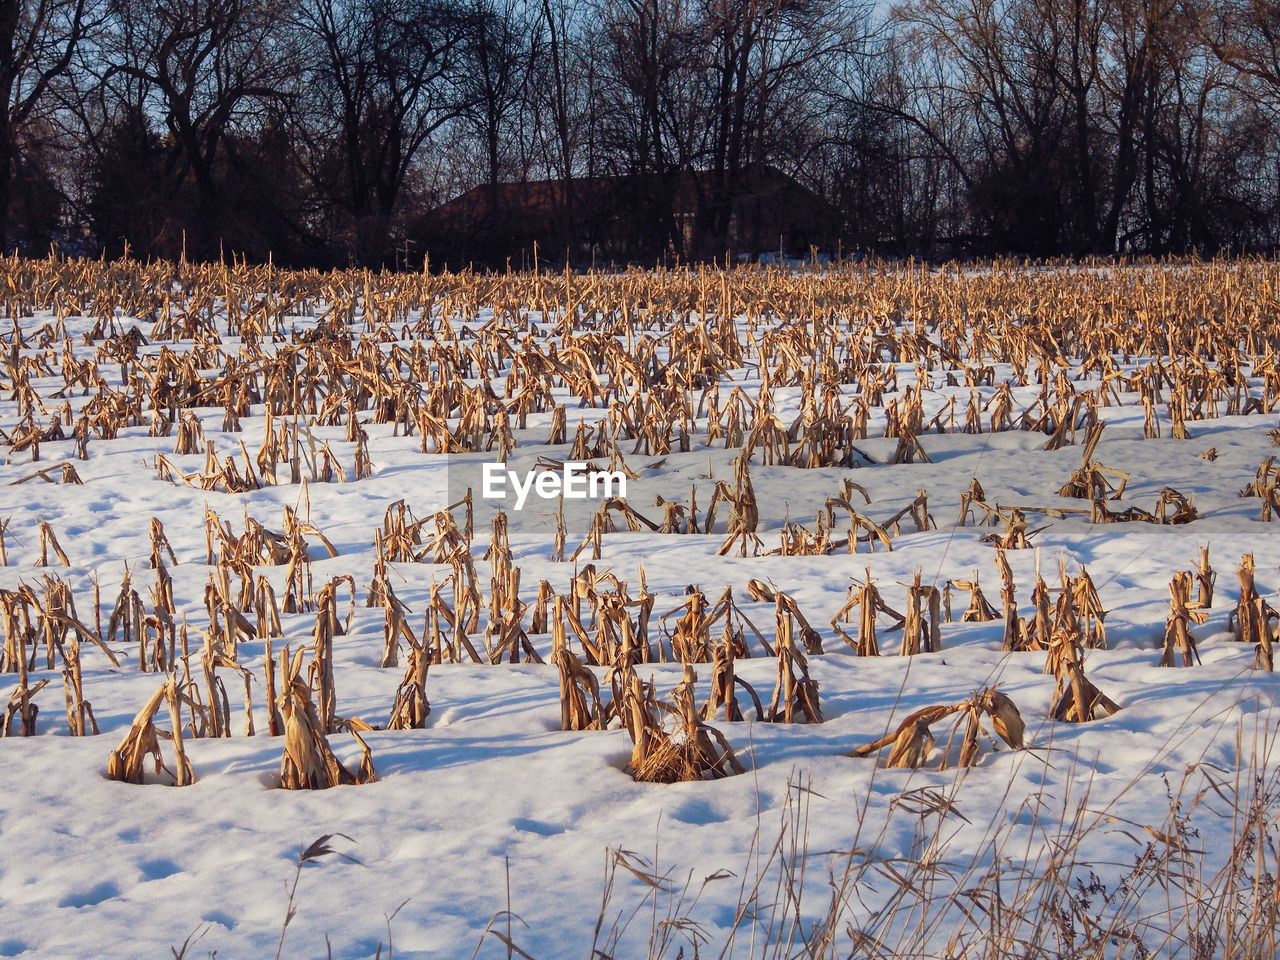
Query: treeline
323, 131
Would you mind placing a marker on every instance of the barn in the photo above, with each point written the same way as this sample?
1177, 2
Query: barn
644, 219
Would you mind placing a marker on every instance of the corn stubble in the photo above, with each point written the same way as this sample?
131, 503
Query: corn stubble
403, 353
691, 751
1253, 620
127, 762
911, 743
309, 762
1075, 697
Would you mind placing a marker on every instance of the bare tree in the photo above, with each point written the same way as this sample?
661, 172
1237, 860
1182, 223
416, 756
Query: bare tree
383, 79
38, 43
965, 126
558, 31
654, 119
1246, 35
765, 70
500, 53
206, 67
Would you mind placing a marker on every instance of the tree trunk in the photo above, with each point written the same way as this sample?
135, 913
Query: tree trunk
6, 178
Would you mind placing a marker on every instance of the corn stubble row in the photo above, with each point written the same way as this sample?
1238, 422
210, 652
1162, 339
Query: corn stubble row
653, 355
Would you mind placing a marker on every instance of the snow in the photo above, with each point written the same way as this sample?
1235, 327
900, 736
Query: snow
493, 808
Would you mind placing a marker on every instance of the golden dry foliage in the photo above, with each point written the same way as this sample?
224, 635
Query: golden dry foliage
1026, 320
744, 512
1178, 641
80, 719
786, 610
1205, 580
308, 762
26, 618
655, 377
1079, 602
979, 609
1252, 620
328, 626
49, 540
400, 539
127, 762
691, 638
867, 601
862, 529
691, 641
913, 739
724, 682
275, 722
973, 500
1075, 698
1241, 621
1016, 633
411, 707
692, 751
29, 617
1184, 512
618, 638
795, 695
395, 622
580, 706
1016, 534
22, 705
1266, 486
1094, 481
921, 630
1077, 614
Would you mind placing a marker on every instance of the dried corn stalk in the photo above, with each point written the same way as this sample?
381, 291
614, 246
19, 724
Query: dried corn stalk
1080, 597
795, 695
411, 707
692, 751
1093, 481
1016, 534
580, 706
979, 610
913, 740
744, 512
921, 635
1205, 580
1266, 486
1016, 633
1178, 641
867, 601
80, 719
308, 762
1252, 619
723, 687
1075, 698
127, 761
22, 705
48, 539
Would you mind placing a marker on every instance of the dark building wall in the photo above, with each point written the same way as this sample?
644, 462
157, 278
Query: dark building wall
637, 219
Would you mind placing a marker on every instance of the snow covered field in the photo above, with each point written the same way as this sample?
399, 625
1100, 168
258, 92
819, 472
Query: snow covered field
1124, 834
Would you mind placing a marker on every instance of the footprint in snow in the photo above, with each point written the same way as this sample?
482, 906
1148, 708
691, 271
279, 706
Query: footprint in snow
91, 897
